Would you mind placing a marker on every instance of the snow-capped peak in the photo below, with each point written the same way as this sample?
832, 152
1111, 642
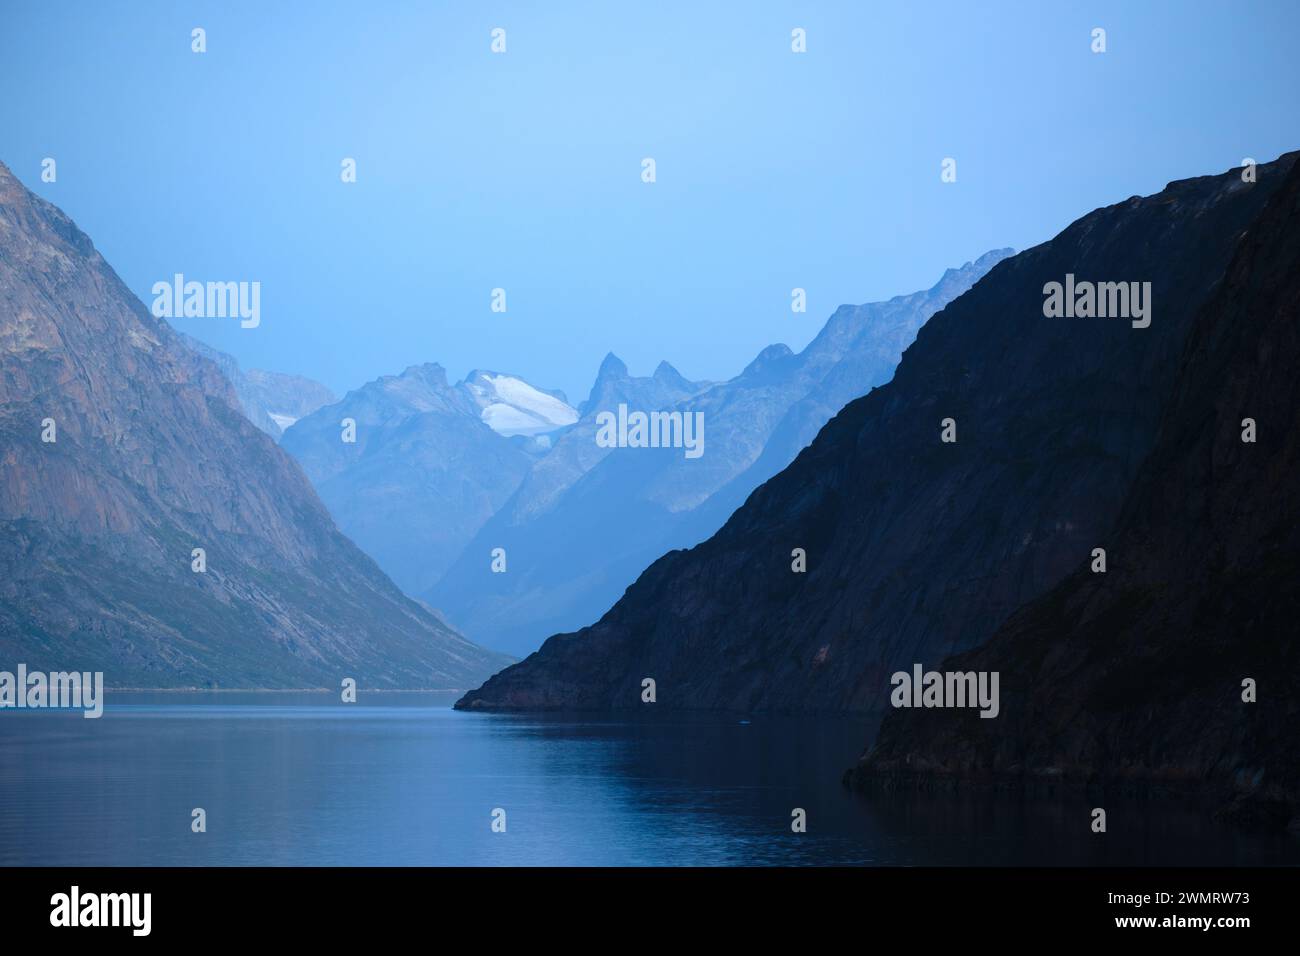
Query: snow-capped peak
510, 406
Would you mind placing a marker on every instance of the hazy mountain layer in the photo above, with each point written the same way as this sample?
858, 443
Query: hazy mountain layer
423, 474
575, 545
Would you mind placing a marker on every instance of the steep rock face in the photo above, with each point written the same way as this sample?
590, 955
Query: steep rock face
573, 557
1135, 675
423, 475
153, 458
918, 548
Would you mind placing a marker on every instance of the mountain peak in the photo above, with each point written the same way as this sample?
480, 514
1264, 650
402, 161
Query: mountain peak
665, 373
991, 258
428, 373
979, 266
8, 180
611, 366
612, 371
417, 389
769, 358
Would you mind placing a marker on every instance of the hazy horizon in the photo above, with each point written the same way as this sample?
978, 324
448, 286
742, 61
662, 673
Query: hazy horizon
522, 170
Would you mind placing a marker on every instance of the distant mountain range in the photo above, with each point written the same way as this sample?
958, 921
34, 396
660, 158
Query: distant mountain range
588, 520
559, 545
442, 477
918, 548
125, 453
431, 462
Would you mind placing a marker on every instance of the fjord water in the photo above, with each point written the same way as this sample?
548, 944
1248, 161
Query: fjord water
401, 778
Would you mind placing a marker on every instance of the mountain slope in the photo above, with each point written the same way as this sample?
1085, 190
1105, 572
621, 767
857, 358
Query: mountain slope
423, 475
572, 559
1135, 676
153, 458
918, 548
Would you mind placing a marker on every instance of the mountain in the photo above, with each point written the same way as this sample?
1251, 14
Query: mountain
151, 458
575, 450
286, 398
576, 548
1135, 676
919, 548
858, 349
271, 400
549, 522
427, 469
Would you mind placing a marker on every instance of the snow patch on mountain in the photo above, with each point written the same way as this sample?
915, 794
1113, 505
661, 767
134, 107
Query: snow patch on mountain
510, 406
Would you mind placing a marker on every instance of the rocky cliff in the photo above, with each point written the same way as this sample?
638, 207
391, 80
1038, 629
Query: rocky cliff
1138, 676
121, 452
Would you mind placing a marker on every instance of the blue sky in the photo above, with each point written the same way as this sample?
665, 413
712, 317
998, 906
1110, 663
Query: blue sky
522, 170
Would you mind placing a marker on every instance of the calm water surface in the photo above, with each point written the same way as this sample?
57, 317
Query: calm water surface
403, 779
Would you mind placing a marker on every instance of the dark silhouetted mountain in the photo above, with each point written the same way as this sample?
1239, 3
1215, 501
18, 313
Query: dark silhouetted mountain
917, 548
153, 458
271, 400
573, 550
1135, 676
